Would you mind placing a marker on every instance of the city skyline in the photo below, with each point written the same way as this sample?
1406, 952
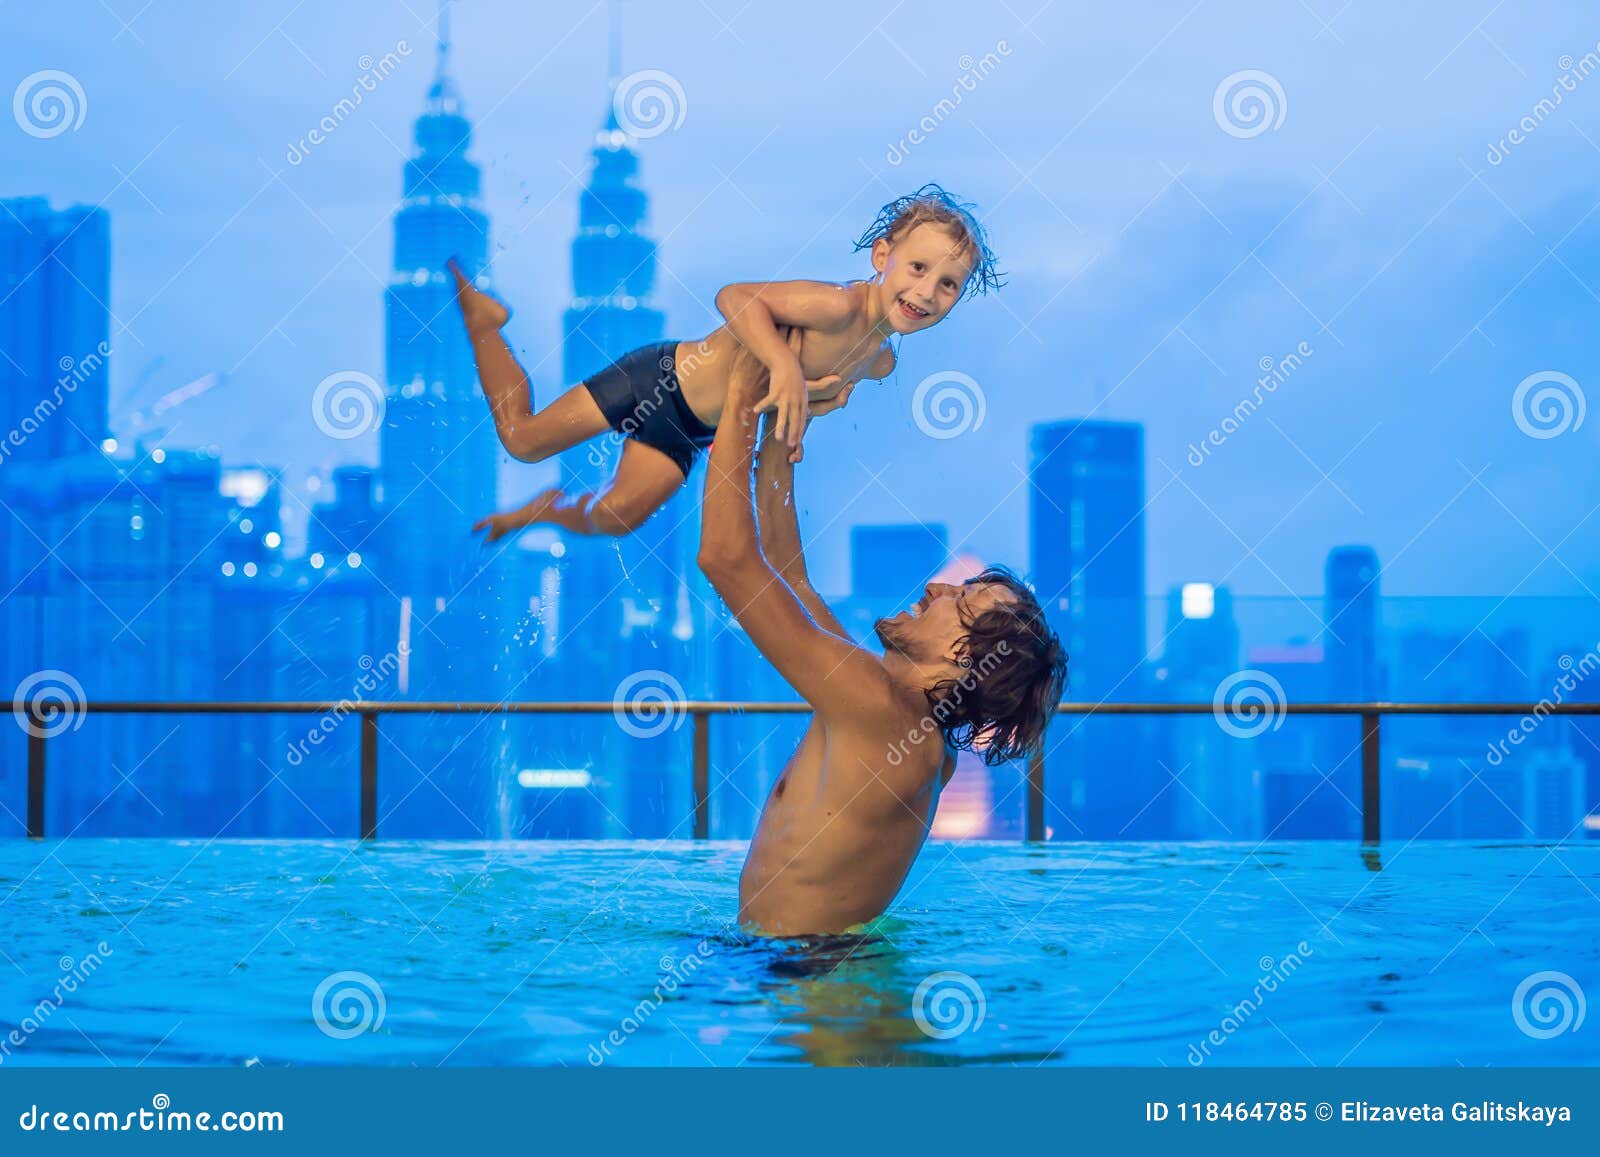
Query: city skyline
558, 617
1178, 369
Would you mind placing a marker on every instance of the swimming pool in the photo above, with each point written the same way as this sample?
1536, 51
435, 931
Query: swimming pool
537, 953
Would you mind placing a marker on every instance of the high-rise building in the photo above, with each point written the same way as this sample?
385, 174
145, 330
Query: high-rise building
1210, 791
339, 528
627, 609
1303, 763
624, 591
890, 564
438, 448
450, 601
55, 321
1086, 536
1351, 626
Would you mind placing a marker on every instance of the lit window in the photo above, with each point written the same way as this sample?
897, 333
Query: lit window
1198, 600
553, 777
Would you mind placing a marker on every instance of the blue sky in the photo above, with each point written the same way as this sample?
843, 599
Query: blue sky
1155, 258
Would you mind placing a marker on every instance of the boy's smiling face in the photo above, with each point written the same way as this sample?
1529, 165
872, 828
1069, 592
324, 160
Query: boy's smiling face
922, 276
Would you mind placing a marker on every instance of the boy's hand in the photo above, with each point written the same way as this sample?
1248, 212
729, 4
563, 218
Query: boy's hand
786, 397
499, 526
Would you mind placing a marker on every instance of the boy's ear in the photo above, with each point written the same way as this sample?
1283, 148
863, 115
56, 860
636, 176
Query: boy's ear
880, 254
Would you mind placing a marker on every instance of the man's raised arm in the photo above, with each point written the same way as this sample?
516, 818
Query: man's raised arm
838, 679
780, 528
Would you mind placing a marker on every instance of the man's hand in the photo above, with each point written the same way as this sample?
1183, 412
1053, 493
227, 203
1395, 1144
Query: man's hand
828, 405
821, 406
786, 396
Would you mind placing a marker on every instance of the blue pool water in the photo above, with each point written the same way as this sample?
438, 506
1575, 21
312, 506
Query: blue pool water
237, 953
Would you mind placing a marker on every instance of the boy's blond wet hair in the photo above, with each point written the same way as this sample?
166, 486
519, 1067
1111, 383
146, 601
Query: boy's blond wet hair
932, 205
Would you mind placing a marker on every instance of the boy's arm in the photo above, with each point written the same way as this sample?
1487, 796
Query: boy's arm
755, 309
840, 680
780, 529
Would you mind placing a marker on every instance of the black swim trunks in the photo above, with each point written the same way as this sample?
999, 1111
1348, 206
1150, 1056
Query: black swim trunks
639, 395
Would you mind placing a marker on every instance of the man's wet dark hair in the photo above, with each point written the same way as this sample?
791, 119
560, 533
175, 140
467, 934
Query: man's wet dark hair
1015, 671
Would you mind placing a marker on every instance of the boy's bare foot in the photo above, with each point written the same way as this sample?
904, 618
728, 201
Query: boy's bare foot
481, 312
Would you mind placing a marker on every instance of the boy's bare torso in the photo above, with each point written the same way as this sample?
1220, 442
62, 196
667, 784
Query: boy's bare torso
703, 366
841, 828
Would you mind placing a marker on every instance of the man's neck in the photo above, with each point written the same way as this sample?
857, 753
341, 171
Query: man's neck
914, 680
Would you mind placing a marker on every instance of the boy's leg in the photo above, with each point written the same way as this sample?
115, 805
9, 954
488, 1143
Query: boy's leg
532, 437
644, 479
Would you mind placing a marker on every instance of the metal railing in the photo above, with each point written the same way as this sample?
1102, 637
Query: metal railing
41, 716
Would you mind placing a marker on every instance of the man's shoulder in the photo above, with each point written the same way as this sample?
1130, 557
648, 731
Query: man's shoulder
898, 740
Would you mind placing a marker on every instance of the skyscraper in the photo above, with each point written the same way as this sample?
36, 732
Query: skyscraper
1215, 795
1350, 623
626, 610
438, 446
622, 591
437, 588
1086, 537
1351, 673
55, 320
890, 564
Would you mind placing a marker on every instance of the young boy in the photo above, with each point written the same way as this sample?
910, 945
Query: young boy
816, 340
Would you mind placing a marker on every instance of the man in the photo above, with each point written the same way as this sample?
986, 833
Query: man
968, 667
